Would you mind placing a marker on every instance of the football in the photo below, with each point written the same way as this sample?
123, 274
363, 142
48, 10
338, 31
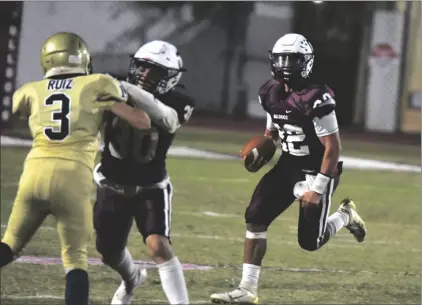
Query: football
265, 148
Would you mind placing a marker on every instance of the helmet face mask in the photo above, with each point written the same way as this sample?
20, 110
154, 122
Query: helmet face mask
147, 75
287, 66
156, 67
292, 59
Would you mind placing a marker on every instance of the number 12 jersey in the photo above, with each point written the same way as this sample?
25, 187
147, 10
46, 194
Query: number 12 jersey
300, 117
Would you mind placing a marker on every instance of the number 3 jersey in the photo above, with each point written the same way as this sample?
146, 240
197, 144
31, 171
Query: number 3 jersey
138, 157
65, 114
300, 117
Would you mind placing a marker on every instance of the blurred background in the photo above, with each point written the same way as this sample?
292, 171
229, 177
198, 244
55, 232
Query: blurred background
368, 52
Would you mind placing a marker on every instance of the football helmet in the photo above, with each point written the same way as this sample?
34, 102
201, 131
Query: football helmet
156, 67
65, 53
292, 58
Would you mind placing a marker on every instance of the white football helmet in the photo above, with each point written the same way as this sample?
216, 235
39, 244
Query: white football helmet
292, 58
157, 67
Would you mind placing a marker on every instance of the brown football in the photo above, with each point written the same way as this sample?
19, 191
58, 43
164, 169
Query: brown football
265, 146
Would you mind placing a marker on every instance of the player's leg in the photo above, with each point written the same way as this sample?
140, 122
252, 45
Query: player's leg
112, 222
315, 228
28, 211
72, 209
271, 197
313, 221
153, 219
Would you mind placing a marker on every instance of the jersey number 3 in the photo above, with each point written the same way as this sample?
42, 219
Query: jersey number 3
60, 116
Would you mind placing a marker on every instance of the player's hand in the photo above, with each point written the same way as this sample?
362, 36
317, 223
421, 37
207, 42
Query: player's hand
310, 197
253, 163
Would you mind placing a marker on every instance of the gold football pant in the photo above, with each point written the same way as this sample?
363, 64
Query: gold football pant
63, 189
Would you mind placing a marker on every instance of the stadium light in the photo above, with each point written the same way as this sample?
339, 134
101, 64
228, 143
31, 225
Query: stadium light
317, 2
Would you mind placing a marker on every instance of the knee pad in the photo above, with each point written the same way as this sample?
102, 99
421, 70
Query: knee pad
256, 235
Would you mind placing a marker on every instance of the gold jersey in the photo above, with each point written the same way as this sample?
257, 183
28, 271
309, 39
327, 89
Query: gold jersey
65, 115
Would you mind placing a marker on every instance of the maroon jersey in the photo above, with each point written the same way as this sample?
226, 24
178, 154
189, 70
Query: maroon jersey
293, 114
138, 157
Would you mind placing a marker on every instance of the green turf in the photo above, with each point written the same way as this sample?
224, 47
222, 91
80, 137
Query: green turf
385, 269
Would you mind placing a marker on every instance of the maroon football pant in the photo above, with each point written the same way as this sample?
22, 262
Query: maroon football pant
274, 194
114, 215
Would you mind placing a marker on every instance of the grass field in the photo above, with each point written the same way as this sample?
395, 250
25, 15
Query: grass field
385, 269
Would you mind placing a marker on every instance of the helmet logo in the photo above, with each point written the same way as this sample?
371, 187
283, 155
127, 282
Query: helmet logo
163, 49
74, 59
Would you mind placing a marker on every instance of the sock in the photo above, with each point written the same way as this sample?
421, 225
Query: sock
250, 277
6, 254
77, 287
125, 267
173, 281
338, 220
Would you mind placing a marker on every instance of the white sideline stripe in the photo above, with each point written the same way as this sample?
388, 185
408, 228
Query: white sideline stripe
340, 243
214, 214
56, 297
182, 151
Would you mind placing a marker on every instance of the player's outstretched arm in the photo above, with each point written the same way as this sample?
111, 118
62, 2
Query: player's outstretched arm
113, 97
161, 114
138, 118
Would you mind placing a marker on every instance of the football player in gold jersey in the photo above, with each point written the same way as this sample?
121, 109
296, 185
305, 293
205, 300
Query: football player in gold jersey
65, 112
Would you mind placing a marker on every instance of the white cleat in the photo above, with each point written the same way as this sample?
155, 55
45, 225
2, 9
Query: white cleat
356, 224
237, 296
124, 293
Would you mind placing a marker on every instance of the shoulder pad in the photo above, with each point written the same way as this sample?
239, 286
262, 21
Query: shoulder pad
268, 86
319, 100
269, 92
179, 100
177, 95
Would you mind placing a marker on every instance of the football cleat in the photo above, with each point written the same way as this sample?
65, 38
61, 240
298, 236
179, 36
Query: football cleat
356, 225
237, 296
124, 293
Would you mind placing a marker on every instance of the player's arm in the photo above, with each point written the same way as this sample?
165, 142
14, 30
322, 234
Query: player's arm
163, 115
21, 103
329, 136
326, 128
136, 117
270, 130
114, 97
251, 162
